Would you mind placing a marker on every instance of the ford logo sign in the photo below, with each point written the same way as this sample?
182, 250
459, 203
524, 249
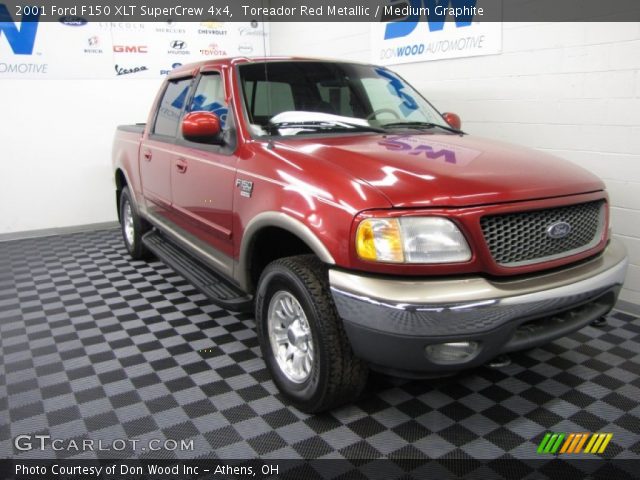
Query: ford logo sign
559, 230
73, 21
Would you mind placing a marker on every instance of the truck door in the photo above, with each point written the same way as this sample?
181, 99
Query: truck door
203, 175
157, 150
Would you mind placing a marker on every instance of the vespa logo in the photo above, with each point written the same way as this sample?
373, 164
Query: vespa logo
558, 230
436, 17
178, 45
20, 40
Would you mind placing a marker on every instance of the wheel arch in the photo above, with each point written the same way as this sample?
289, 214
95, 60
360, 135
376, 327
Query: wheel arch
121, 182
291, 236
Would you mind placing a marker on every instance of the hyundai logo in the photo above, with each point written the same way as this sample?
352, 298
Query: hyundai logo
559, 230
178, 45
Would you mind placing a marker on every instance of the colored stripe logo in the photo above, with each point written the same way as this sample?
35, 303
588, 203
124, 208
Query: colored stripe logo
556, 443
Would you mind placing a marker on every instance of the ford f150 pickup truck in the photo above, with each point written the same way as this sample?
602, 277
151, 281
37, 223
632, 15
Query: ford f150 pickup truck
365, 229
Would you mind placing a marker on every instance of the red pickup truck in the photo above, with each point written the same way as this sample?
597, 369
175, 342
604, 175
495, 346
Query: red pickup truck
364, 228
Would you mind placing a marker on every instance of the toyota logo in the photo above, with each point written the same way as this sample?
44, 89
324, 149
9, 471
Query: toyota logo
558, 230
178, 45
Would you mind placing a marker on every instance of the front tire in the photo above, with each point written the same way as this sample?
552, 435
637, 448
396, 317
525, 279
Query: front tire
302, 338
133, 227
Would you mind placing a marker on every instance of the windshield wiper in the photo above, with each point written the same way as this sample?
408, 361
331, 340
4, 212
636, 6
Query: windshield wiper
421, 125
326, 125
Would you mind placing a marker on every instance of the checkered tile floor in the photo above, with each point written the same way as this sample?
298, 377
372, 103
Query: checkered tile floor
95, 346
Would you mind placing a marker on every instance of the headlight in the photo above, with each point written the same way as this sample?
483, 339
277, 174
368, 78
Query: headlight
411, 240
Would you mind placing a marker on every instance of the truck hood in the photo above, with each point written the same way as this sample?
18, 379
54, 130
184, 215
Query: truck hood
442, 170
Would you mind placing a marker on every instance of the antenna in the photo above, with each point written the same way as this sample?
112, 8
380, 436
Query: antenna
264, 48
266, 70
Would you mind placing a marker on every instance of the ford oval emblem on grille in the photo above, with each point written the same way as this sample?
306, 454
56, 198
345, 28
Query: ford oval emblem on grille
559, 230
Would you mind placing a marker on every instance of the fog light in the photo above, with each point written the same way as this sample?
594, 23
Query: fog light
455, 352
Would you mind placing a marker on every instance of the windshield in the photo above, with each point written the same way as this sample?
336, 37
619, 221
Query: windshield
293, 98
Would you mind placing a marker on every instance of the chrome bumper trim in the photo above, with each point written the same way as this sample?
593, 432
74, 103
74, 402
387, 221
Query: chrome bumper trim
472, 304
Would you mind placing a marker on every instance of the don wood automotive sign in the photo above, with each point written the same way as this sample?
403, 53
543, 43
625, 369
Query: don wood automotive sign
424, 32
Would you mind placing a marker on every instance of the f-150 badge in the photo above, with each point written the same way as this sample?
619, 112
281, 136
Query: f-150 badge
245, 186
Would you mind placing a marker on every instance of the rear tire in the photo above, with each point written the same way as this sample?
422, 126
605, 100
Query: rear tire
302, 338
133, 227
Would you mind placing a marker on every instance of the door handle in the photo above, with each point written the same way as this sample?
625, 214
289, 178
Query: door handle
147, 155
181, 166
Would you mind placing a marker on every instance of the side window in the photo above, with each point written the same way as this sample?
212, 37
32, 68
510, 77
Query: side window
210, 97
171, 107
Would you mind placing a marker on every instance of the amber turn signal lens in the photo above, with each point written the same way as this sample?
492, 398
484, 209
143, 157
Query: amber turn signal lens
380, 240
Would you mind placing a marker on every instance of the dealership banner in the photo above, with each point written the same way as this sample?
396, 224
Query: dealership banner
426, 36
75, 48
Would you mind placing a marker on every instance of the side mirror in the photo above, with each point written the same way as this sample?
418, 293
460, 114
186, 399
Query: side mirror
201, 127
453, 120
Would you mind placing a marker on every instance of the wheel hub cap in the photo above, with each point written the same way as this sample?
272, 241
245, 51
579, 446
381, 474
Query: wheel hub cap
290, 337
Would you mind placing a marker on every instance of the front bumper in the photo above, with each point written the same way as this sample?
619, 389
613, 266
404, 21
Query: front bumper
391, 321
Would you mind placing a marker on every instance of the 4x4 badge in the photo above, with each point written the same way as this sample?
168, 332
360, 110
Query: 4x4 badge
245, 186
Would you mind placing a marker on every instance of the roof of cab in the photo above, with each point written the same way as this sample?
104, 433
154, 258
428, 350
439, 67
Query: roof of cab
231, 61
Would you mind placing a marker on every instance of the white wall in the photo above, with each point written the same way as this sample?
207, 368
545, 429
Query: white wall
56, 149
569, 89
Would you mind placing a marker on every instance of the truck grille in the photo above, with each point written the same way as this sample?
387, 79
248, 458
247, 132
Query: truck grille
517, 239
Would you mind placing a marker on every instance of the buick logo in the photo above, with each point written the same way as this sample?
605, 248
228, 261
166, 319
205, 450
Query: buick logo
559, 230
178, 45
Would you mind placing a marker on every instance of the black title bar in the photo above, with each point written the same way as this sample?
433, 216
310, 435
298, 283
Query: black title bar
320, 10
417, 469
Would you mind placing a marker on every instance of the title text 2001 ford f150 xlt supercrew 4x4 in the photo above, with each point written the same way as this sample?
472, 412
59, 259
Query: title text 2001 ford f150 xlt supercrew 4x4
365, 228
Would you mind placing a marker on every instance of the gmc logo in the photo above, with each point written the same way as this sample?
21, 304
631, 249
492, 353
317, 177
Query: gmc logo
130, 48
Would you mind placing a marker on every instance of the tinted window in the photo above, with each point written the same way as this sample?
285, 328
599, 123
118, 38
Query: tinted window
210, 97
272, 98
332, 96
171, 107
